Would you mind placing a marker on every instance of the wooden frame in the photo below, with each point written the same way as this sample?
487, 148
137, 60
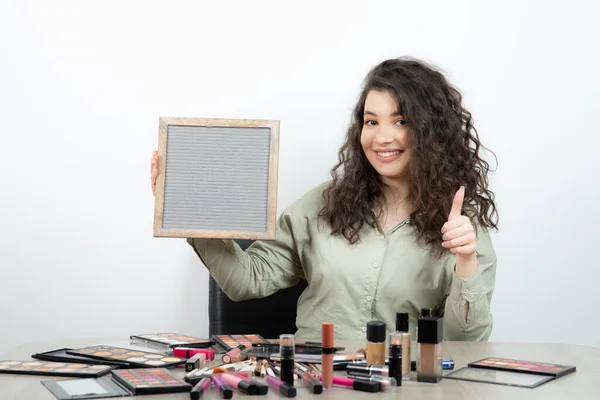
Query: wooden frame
195, 232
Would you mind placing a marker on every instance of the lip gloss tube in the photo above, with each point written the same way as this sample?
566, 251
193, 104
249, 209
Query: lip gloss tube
284, 388
224, 389
261, 389
371, 387
327, 350
238, 383
187, 352
368, 369
314, 385
387, 383
201, 387
286, 354
234, 355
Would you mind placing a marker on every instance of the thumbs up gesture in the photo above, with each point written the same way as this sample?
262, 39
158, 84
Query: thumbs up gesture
458, 232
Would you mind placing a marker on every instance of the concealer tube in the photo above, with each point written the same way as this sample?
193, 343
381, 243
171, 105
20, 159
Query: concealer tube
395, 357
402, 327
286, 354
327, 350
234, 355
376, 342
429, 349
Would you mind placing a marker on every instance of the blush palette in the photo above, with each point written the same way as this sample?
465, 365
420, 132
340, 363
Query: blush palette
531, 367
53, 368
229, 342
171, 340
132, 357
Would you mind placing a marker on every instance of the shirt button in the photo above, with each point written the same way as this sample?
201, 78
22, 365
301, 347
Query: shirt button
364, 328
375, 265
369, 298
465, 291
382, 237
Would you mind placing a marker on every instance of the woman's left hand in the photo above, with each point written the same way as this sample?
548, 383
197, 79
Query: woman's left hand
458, 232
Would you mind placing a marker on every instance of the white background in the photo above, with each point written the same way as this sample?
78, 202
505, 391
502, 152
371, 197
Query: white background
83, 83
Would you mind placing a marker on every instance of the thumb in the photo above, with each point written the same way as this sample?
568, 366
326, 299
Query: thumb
457, 203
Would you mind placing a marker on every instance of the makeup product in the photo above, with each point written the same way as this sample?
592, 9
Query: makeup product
327, 339
312, 384
446, 365
368, 369
54, 368
530, 367
429, 349
395, 357
132, 357
317, 358
229, 342
388, 383
286, 355
261, 389
426, 312
371, 387
124, 382
224, 389
194, 379
237, 382
281, 386
199, 389
402, 326
376, 342
61, 355
195, 362
507, 378
168, 341
235, 354
187, 352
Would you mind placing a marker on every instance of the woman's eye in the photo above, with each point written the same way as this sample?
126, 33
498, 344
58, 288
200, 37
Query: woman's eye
401, 122
370, 122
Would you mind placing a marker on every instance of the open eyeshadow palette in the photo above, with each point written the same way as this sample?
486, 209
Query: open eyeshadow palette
530, 367
169, 341
506, 378
61, 355
132, 357
121, 383
228, 342
54, 368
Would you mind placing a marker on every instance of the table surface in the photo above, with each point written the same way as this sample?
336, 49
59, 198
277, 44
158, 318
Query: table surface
578, 385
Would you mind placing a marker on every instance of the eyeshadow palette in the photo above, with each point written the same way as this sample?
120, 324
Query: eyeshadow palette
168, 341
507, 378
61, 355
120, 384
531, 367
132, 357
228, 342
53, 368
151, 381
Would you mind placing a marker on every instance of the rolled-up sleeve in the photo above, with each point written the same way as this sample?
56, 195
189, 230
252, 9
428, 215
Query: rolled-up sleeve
477, 291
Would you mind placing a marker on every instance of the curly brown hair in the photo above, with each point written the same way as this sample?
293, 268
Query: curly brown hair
445, 154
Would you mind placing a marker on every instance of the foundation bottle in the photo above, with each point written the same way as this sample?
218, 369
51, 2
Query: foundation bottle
405, 336
429, 349
376, 342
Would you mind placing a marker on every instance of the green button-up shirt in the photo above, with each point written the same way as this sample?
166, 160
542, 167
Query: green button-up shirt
349, 285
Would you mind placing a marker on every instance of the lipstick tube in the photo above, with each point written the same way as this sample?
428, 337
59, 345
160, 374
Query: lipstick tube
327, 350
201, 387
395, 357
283, 387
387, 383
368, 369
286, 354
224, 389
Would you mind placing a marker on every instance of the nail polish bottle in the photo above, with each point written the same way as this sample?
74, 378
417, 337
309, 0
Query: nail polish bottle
402, 327
395, 357
429, 349
376, 342
286, 353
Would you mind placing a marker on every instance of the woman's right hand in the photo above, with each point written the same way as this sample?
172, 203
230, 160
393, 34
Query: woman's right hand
154, 171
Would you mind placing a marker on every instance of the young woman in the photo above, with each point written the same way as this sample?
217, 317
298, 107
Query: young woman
402, 225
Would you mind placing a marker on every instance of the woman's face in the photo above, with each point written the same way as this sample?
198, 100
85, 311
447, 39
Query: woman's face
384, 137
